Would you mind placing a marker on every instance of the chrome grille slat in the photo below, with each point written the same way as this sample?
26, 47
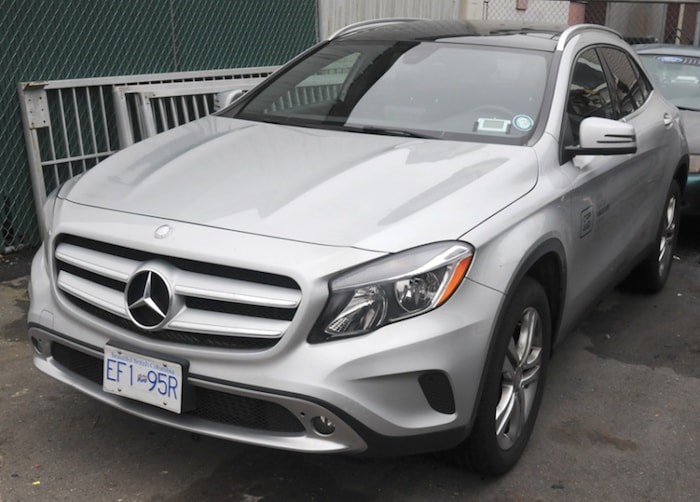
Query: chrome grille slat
113, 267
228, 290
216, 305
95, 294
216, 323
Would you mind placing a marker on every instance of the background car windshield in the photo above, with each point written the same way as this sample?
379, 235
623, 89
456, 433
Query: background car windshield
437, 90
678, 78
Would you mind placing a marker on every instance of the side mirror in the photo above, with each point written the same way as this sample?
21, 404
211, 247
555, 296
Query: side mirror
225, 98
600, 136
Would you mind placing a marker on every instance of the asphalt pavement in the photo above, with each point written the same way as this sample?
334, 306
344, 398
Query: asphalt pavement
620, 420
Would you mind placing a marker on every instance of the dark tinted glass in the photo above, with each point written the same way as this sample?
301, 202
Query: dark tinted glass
437, 90
589, 95
629, 89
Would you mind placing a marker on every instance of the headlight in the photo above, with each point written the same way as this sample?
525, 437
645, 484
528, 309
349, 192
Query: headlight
391, 289
694, 164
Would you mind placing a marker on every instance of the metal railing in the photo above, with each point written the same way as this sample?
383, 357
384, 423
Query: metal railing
71, 125
143, 111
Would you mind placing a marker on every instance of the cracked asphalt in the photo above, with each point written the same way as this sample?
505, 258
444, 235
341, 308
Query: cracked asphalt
620, 420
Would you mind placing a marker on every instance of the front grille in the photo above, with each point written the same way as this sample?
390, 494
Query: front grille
218, 306
211, 405
169, 335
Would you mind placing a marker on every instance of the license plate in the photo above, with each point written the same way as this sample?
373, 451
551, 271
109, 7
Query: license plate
143, 378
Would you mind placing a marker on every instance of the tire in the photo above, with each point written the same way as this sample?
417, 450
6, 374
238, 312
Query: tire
651, 275
514, 384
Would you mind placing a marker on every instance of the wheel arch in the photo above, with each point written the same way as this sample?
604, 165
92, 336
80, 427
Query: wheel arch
545, 263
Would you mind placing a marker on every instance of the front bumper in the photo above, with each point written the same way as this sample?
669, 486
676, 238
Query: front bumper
369, 387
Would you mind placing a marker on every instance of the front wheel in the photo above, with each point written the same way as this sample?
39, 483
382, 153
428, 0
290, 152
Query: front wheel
514, 383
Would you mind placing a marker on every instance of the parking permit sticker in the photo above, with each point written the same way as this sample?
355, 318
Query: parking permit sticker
492, 125
523, 123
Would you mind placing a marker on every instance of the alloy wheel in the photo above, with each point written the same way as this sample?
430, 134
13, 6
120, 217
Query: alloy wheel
668, 235
519, 378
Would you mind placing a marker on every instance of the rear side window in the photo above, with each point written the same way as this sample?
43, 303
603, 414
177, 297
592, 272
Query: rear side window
643, 81
630, 87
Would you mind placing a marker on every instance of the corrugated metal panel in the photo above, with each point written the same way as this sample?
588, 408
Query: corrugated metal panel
634, 20
334, 14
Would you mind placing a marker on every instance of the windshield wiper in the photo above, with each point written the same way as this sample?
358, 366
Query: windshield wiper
688, 108
334, 124
387, 131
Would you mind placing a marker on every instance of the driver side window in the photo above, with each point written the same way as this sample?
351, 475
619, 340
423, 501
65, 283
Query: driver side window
589, 95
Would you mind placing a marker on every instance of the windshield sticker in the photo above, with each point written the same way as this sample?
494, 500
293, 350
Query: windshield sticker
523, 123
492, 125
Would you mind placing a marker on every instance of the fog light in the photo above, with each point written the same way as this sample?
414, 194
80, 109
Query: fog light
323, 425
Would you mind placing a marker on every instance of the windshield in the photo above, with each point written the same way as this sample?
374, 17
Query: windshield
422, 89
677, 77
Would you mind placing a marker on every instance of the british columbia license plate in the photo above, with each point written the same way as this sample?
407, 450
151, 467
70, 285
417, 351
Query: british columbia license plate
143, 378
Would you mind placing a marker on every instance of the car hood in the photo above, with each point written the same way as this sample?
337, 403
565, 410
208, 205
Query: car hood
691, 126
383, 193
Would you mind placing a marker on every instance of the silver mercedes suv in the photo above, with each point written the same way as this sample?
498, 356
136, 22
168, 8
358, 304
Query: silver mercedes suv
375, 250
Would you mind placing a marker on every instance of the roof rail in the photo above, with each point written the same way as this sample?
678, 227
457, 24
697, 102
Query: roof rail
573, 30
371, 23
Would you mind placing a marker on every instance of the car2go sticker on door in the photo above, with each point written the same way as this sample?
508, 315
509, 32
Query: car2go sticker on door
143, 378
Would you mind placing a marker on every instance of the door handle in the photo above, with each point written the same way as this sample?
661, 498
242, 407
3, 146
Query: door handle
668, 120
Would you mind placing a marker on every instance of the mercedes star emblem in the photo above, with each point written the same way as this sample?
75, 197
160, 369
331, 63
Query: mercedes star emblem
148, 299
163, 231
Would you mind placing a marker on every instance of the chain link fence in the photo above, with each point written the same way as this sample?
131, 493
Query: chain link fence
50, 40
531, 11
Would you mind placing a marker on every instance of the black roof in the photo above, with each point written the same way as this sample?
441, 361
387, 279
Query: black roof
501, 33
